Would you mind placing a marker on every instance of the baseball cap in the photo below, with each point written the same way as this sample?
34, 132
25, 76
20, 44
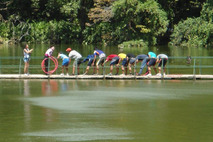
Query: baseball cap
68, 49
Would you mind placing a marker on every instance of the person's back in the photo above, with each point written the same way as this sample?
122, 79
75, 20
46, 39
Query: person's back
152, 55
160, 56
98, 52
122, 56
74, 55
63, 56
111, 56
141, 57
130, 55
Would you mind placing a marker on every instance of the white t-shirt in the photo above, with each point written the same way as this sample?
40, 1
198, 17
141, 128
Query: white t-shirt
49, 52
161, 56
74, 55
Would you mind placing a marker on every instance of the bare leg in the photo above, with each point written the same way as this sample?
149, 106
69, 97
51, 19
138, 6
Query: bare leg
126, 70
149, 70
111, 68
87, 69
130, 69
62, 69
155, 69
26, 67
66, 67
73, 70
159, 70
117, 69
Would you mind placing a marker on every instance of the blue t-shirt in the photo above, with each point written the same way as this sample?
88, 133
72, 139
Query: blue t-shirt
98, 52
87, 58
63, 56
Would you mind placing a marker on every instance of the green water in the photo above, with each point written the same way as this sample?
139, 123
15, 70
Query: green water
106, 111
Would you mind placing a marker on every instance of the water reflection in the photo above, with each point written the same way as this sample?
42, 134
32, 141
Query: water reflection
106, 110
49, 87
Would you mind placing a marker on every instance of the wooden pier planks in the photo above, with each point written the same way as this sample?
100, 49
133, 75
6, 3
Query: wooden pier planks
126, 77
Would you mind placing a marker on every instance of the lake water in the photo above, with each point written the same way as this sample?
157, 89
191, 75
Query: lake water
106, 111
39, 50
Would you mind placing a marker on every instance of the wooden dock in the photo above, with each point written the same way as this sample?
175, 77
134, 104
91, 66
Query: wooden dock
118, 77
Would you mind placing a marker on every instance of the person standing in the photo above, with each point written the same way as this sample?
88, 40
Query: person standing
151, 63
101, 56
74, 55
65, 62
48, 54
161, 60
26, 59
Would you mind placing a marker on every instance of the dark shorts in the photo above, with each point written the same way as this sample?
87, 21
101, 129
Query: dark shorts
132, 60
114, 61
152, 62
164, 61
79, 61
100, 61
124, 62
90, 62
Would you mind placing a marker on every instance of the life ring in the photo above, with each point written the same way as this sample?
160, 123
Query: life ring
55, 61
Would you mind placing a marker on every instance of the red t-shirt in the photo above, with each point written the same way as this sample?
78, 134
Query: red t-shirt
110, 57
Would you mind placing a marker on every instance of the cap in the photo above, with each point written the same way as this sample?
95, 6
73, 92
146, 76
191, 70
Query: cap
68, 49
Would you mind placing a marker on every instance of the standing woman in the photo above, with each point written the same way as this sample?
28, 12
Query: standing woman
27, 53
48, 54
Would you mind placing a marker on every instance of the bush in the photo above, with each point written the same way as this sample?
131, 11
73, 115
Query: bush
54, 31
4, 30
133, 44
194, 32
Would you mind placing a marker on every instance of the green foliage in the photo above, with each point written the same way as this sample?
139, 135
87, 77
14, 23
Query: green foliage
102, 11
133, 43
192, 32
207, 12
139, 20
4, 30
99, 33
54, 31
196, 32
107, 21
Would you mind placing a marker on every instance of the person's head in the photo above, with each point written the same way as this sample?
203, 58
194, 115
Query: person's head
26, 46
52, 47
68, 49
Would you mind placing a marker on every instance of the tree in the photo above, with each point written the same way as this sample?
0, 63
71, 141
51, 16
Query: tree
102, 12
139, 19
196, 32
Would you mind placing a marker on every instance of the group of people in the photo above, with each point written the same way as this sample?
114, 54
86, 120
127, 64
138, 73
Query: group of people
99, 58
